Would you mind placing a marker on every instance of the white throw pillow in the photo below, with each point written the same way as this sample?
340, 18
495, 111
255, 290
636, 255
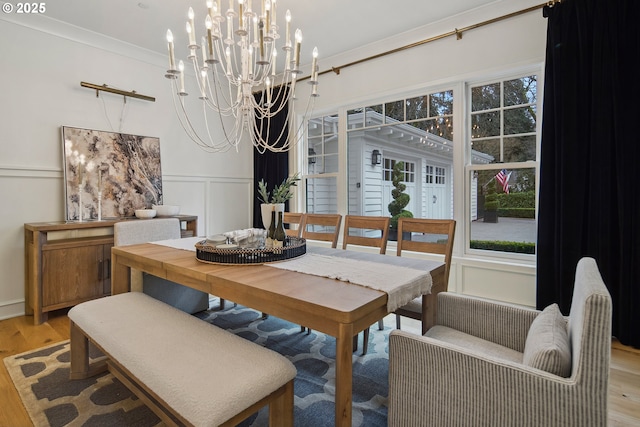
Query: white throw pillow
547, 346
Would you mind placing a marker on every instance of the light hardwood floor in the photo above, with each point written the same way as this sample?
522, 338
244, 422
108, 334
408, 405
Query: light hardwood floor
19, 334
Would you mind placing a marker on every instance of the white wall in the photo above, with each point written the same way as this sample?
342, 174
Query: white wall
43, 63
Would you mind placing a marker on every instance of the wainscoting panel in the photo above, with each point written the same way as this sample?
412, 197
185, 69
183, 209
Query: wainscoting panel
503, 282
230, 205
190, 194
221, 204
28, 195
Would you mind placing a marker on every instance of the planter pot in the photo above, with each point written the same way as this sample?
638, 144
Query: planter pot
393, 235
265, 210
491, 216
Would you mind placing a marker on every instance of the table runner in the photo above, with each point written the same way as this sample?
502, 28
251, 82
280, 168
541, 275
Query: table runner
403, 279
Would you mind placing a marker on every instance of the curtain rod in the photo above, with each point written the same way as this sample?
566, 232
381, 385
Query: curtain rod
456, 32
131, 94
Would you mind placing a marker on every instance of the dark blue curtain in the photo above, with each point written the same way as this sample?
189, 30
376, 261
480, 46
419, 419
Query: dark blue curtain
270, 166
589, 191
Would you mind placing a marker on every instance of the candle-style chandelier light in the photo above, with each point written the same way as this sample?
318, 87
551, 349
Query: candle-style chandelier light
235, 67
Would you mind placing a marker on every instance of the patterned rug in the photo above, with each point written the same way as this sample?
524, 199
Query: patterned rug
51, 399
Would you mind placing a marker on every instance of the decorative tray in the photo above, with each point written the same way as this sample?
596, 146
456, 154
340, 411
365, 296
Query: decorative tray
294, 247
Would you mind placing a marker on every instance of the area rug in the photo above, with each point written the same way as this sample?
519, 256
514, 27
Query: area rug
51, 399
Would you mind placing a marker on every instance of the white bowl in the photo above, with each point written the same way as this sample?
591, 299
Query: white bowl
167, 210
145, 213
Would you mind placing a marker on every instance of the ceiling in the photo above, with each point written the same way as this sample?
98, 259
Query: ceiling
334, 26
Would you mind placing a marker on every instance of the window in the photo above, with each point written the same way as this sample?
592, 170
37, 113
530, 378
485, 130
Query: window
416, 130
498, 164
503, 165
409, 170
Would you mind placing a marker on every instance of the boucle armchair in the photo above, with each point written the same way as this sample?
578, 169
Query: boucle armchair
491, 364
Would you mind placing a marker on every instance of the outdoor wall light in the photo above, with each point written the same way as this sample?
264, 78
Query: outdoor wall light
312, 156
376, 157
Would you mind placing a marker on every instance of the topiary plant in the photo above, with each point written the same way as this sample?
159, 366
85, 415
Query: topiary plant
400, 199
491, 203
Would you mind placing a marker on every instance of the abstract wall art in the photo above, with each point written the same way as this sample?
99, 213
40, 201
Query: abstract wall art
108, 174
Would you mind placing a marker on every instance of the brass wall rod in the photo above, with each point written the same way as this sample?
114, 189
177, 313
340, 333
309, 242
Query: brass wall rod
456, 32
105, 88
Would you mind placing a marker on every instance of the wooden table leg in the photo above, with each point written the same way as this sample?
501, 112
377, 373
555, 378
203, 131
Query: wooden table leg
120, 276
344, 375
430, 303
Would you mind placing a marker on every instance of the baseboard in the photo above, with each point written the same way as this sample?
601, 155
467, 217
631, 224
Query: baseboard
10, 309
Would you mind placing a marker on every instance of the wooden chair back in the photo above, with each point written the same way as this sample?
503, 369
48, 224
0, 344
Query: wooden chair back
294, 222
330, 224
367, 223
436, 237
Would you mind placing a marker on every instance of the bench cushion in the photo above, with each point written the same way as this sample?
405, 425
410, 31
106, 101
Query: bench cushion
201, 371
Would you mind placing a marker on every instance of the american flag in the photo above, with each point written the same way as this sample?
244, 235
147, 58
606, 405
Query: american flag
503, 179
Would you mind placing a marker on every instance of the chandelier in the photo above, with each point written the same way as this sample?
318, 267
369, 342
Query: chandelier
235, 67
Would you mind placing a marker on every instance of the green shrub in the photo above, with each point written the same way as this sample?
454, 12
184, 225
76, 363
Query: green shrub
504, 246
527, 213
400, 199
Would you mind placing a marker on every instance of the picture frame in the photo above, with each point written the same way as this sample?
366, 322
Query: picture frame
109, 175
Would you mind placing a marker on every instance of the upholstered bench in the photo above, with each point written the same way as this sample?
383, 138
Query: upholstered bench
187, 371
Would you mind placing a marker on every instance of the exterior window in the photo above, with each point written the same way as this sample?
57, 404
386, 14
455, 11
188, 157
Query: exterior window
409, 170
503, 165
440, 177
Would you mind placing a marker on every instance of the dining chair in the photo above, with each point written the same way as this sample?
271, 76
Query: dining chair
366, 231
294, 222
434, 236
364, 227
149, 230
322, 227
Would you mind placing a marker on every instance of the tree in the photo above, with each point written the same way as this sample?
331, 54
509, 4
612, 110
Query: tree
491, 202
400, 199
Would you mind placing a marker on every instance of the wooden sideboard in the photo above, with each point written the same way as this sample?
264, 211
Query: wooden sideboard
67, 263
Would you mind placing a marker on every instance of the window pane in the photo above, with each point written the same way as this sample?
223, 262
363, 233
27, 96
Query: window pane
321, 195
373, 111
395, 111
485, 97
443, 127
355, 118
520, 91
520, 120
519, 149
322, 144
417, 108
500, 220
441, 104
485, 151
485, 124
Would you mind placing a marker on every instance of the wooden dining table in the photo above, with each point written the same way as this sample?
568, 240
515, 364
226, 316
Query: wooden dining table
334, 307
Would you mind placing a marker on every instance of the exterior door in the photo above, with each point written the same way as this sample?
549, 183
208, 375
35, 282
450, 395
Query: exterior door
435, 191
